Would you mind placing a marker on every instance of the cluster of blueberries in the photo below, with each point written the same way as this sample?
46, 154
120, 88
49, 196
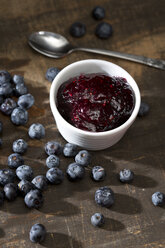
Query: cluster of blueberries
11, 88
103, 30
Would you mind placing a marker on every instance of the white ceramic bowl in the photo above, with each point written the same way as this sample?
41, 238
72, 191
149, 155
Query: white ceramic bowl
86, 139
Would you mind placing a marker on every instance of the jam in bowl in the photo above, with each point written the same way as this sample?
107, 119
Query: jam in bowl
94, 102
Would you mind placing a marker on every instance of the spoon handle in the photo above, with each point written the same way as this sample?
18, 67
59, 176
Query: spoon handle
157, 63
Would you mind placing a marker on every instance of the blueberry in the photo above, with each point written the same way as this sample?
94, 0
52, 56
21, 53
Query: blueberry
40, 182
75, 171
53, 148
144, 109
103, 30
25, 101
70, 150
34, 199
77, 29
2, 196
37, 233
24, 172
104, 196
20, 146
98, 173
158, 199
18, 79
7, 106
36, 131
1, 100
83, 158
4, 76
20, 89
52, 73
52, 161
14, 160
19, 116
1, 126
126, 176
10, 191
7, 176
98, 13
97, 219
55, 175
25, 186
6, 89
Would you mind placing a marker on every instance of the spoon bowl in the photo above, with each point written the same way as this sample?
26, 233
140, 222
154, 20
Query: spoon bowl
50, 44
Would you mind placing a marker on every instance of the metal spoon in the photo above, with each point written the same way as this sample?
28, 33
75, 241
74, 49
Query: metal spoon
56, 46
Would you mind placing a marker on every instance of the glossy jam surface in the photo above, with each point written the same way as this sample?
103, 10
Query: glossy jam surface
95, 102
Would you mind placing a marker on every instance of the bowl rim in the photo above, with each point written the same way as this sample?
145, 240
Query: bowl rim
89, 133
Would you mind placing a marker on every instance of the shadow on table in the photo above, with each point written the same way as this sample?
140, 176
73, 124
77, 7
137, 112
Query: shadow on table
59, 208
113, 225
2, 233
14, 64
126, 205
15, 207
60, 240
144, 182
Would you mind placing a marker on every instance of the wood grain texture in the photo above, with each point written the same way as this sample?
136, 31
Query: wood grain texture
139, 28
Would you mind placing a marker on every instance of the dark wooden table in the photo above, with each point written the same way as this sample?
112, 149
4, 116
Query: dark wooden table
139, 28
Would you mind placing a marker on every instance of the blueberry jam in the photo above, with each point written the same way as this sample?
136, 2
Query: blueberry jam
95, 102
